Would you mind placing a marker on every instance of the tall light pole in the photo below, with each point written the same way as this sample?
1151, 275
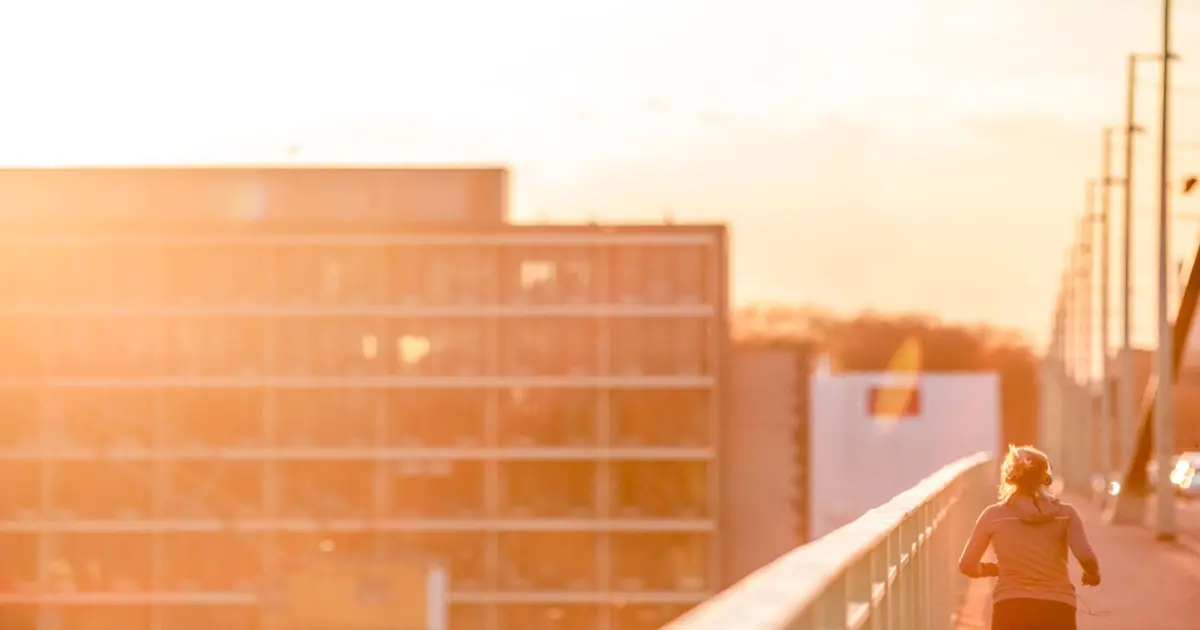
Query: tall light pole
1125, 435
1104, 464
1164, 429
1085, 270
1070, 363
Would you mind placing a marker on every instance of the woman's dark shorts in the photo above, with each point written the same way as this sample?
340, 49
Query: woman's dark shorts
1032, 614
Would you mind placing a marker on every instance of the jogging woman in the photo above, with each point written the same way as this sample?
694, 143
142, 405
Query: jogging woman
1030, 531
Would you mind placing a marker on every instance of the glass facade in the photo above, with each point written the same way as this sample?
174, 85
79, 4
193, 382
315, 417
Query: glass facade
533, 409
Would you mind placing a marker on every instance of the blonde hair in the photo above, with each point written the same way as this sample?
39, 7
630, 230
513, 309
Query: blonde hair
1025, 470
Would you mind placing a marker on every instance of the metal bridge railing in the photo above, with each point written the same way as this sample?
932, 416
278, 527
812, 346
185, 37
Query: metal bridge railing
894, 568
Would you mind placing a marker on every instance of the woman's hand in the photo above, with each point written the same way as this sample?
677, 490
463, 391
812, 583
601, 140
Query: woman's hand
989, 569
1091, 579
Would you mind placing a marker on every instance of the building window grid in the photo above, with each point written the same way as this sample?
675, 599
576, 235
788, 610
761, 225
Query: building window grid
313, 275
602, 499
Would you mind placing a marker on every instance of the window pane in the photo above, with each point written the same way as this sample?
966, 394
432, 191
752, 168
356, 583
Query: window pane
136, 275
107, 347
436, 418
324, 490
661, 417
103, 419
328, 347
441, 275
209, 616
549, 417
660, 274
22, 498
347, 275
660, 346
550, 617
554, 561
692, 273
470, 274
103, 490
436, 347
326, 417
211, 488
660, 561
19, 570
103, 617
217, 276
646, 616
28, 274
23, 343
548, 489
461, 552
405, 278
223, 561
548, 347
468, 616
437, 489
105, 562
548, 275
629, 271
660, 489
75, 270
301, 548
214, 418
20, 427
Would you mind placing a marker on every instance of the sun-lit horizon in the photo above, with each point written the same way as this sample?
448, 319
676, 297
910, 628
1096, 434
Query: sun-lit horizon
916, 155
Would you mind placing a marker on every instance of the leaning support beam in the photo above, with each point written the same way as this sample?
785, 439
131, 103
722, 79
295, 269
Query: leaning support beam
1130, 506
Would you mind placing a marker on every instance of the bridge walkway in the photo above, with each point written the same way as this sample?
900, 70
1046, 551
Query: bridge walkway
895, 568
1148, 585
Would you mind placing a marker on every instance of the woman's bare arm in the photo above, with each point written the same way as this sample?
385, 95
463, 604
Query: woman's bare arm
1077, 540
977, 544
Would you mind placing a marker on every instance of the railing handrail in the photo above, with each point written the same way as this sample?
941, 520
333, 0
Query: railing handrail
772, 596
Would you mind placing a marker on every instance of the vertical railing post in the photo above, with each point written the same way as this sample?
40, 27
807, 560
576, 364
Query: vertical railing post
932, 580
833, 604
892, 588
916, 622
908, 593
859, 579
878, 565
945, 561
899, 590
927, 563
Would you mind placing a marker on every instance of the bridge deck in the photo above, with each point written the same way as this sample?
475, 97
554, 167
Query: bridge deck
1148, 585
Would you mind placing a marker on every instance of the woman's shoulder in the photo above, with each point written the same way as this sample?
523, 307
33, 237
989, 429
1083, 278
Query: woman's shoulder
1052, 504
994, 511
1067, 509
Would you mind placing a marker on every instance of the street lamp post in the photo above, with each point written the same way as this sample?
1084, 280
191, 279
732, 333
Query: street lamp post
1125, 436
1085, 274
1104, 464
1164, 417
1070, 376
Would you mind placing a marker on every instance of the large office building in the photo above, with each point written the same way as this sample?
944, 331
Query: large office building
212, 377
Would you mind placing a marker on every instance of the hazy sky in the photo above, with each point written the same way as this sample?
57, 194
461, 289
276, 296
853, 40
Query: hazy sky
892, 154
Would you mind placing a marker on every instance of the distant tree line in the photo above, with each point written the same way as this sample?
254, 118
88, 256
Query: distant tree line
868, 341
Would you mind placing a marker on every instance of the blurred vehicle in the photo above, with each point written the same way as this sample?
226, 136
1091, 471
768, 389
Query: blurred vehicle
1104, 487
1182, 474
